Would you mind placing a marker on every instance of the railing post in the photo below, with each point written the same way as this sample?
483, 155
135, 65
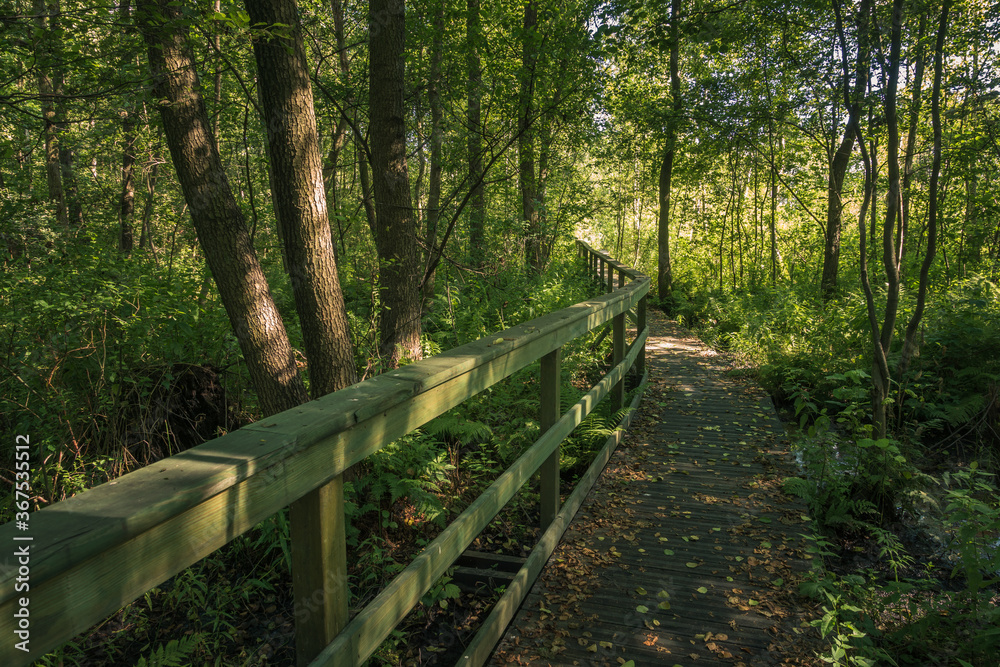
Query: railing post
611, 278
603, 265
549, 410
319, 568
617, 354
640, 326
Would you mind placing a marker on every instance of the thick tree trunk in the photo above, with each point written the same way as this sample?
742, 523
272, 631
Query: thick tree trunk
396, 231
216, 216
299, 196
477, 210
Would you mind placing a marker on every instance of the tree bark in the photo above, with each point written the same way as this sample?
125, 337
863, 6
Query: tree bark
910, 344
45, 22
434, 187
842, 157
477, 210
217, 218
526, 139
664, 273
299, 195
396, 231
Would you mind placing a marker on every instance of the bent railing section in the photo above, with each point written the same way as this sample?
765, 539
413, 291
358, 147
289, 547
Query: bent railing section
91, 554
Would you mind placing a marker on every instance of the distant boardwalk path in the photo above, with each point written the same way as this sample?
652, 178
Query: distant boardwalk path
686, 552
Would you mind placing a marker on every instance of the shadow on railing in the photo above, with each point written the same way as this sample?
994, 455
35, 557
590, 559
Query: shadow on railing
86, 557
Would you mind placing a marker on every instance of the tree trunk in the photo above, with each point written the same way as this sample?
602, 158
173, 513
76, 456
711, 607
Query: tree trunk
841, 159
126, 202
911, 135
299, 196
44, 56
664, 273
400, 272
910, 344
477, 211
216, 216
434, 187
526, 139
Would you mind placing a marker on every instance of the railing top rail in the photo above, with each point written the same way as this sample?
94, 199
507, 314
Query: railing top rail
635, 274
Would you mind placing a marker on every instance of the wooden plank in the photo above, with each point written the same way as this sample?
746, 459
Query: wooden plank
319, 568
617, 353
551, 379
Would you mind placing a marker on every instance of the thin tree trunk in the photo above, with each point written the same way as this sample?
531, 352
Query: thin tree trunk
400, 272
45, 23
911, 136
664, 273
217, 217
910, 344
434, 187
526, 138
299, 196
477, 211
842, 157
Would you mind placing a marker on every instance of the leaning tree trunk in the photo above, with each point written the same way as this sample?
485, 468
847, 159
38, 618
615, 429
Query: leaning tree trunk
299, 196
396, 230
217, 218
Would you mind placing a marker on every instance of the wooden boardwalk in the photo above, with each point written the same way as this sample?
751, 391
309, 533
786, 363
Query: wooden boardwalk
686, 552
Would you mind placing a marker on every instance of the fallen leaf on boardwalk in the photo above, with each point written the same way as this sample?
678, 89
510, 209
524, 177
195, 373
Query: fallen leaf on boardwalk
642, 609
640, 590
702, 590
692, 564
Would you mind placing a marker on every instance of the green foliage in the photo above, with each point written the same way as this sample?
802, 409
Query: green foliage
172, 654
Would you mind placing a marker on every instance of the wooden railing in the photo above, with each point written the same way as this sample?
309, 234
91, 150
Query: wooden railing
92, 554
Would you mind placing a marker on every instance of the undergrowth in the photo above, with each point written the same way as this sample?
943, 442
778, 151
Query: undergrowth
396, 501
905, 528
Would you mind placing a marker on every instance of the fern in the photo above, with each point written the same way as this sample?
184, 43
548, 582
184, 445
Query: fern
965, 410
451, 426
172, 654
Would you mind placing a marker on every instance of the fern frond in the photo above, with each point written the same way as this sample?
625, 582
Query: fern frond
172, 654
